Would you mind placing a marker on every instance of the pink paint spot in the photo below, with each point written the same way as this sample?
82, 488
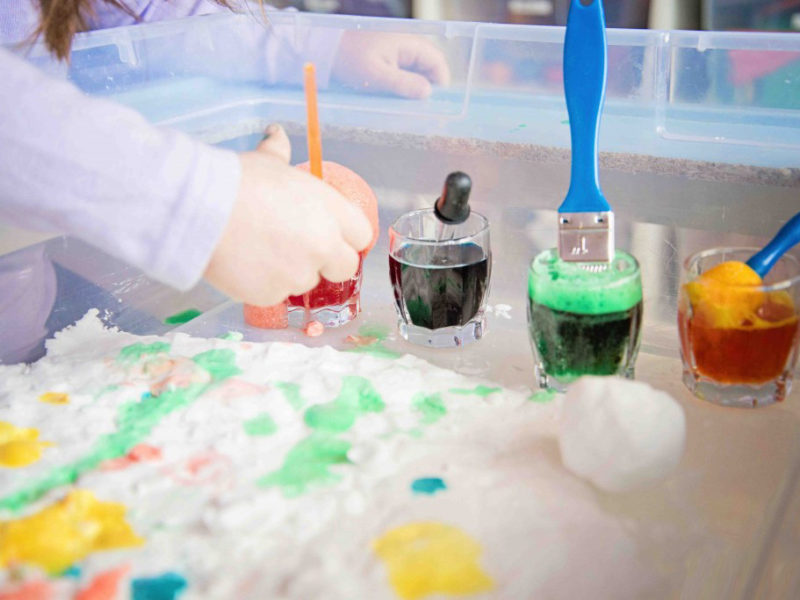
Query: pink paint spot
236, 388
139, 453
183, 373
360, 340
104, 586
313, 329
34, 590
207, 468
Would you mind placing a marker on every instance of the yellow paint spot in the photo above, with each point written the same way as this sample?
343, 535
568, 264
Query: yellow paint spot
65, 533
432, 558
54, 398
19, 446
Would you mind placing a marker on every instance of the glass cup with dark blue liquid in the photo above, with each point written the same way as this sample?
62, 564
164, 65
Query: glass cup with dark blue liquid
440, 277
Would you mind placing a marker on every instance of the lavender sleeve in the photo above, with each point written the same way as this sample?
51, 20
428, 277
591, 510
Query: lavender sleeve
88, 167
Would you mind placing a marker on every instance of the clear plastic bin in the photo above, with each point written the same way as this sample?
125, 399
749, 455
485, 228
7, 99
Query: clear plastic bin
693, 157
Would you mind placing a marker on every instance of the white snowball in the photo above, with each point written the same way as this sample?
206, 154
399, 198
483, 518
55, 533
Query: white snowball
620, 434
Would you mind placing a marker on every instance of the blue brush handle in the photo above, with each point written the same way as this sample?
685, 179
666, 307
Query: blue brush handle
788, 236
585, 87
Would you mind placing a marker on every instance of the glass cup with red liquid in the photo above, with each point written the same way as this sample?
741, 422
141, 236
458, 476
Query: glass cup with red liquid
332, 304
738, 342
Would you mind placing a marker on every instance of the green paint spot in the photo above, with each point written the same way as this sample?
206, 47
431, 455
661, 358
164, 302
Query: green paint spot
183, 316
415, 433
376, 349
431, 407
291, 391
136, 351
428, 485
565, 122
232, 336
375, 330
106, 390
478, 390
164, 587
357, 396
220, 363
308, 463
135, 421
542, 396
260, 425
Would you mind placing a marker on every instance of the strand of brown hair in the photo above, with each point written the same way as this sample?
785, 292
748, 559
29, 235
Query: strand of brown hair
60, 20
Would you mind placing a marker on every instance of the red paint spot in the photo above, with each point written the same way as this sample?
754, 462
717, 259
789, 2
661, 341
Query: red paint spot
104, 586
137, 454
313, 329
34, 590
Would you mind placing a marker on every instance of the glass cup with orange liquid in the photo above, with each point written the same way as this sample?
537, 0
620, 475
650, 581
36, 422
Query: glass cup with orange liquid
739, 335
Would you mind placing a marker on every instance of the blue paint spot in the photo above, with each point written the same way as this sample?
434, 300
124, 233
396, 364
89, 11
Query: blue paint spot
428, 485
163, 587
74, 571
146, 395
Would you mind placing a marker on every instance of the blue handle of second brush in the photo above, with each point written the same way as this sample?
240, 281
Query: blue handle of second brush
788, 236
584, 87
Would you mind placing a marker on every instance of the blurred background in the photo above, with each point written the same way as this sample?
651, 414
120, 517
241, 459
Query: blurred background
724, 15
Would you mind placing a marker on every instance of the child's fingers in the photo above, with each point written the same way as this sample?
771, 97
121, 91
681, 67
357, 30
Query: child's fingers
391, 78
342, 264
427, 59
276, 143
354, 226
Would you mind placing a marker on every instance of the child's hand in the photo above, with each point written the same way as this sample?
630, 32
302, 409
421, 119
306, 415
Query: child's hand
286, 229
401, 64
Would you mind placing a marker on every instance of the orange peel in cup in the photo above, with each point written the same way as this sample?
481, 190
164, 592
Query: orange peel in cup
730, 296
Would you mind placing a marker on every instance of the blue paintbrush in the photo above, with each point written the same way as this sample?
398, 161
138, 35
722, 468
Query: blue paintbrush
585, 219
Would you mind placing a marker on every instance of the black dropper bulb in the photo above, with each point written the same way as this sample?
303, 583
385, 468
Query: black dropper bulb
452, 207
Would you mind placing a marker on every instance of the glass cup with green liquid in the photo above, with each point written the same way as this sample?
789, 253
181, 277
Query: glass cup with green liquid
583, 318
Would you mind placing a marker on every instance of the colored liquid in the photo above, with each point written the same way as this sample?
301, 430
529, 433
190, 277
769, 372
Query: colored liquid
439, 286
328, 293
738, 355
572, 344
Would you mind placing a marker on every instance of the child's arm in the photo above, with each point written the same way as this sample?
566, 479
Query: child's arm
162, 201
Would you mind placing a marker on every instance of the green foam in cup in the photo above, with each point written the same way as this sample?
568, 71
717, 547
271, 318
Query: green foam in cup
574, 288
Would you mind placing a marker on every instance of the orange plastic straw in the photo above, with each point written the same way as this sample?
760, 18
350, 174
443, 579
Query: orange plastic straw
312, 127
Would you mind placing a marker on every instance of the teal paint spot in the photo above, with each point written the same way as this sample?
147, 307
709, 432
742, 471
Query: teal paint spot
291, 391
357, 396
183, 316
146, 395
565, 122
164, 587
431, 407
74, 572
428, 485
220, 363
478, 390
542, 396
135, 421
232, 336
519, 127
308, 463
260, 425
134, 352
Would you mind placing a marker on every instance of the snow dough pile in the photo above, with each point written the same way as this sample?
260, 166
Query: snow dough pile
620, 434
166, 467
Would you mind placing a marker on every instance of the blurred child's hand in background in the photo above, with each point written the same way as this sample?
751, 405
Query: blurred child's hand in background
402, 64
